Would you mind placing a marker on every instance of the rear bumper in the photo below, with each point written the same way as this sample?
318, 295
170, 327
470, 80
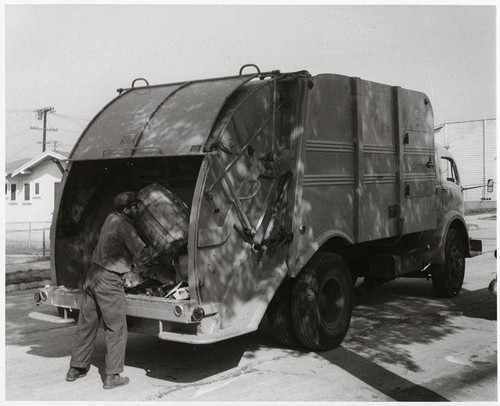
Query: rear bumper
175, 317
149, 307
217, 336
59, 297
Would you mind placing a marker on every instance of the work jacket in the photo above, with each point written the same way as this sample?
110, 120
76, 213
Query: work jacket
119, 244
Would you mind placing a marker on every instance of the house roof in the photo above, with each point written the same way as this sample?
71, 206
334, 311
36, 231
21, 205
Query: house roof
12, 166
17, 167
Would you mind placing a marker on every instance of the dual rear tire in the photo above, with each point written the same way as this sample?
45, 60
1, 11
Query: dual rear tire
314, 310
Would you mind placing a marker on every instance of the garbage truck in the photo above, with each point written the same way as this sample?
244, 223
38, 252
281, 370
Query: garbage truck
296, 185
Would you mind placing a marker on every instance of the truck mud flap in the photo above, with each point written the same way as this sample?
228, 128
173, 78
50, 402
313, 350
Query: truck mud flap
476, 247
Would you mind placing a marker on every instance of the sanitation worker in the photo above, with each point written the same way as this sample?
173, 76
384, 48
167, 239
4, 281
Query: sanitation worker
104, 295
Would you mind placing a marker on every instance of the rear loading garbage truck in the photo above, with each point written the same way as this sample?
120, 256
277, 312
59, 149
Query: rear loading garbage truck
296, 186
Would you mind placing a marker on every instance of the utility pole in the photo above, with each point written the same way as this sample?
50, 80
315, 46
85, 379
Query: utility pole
42, 114
484, 159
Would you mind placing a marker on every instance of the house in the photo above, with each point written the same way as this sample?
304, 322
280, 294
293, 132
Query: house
473, 145
30, 187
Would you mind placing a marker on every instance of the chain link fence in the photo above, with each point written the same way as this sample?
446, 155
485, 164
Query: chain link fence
30, 238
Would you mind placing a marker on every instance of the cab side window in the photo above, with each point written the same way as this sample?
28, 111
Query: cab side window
449, 172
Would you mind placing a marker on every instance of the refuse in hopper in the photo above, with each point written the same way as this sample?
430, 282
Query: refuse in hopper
162, 222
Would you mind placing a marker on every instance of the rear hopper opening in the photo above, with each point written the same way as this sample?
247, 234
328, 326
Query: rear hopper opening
87, 200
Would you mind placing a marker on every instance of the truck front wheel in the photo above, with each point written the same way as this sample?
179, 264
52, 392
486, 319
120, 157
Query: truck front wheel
448, 277
322, 302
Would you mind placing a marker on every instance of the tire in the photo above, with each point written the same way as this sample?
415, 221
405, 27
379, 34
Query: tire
279, 316
448, 277
322, 302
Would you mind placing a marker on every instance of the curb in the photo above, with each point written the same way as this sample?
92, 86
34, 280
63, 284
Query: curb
28, 279
27, 285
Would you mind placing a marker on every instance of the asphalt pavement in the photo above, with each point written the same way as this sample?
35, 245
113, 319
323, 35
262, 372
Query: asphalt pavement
404, 344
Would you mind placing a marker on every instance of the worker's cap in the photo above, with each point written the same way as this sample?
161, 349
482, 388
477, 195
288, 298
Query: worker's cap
125, 199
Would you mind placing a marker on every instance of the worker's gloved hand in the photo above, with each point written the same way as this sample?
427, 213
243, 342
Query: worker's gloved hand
148, 257
133, 278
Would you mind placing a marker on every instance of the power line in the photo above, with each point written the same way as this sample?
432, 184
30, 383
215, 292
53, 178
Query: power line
71, 131
17, 133
15, 153
17, 121
70, 117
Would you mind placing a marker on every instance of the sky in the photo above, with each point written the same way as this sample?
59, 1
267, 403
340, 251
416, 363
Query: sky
73, 57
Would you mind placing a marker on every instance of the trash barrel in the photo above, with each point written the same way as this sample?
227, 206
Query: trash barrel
162, 222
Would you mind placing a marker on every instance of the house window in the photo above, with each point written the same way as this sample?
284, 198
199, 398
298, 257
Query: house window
13, 190
37, 189
27, 191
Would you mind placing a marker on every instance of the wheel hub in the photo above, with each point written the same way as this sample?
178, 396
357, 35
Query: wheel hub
331, 303
456, 265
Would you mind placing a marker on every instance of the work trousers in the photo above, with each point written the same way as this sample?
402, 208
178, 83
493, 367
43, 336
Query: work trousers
103, 298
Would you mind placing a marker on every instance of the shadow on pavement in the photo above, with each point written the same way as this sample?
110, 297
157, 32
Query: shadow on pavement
407, 311
184, 363
170, 361
387, 319
379, 378
478, 304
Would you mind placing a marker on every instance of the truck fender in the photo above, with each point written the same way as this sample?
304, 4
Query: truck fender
295, 264
452, 219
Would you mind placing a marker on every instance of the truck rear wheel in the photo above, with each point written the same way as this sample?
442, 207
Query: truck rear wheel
448, 277
279, 315
322, 302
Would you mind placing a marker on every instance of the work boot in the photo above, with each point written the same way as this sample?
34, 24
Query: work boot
114, 380
74, 373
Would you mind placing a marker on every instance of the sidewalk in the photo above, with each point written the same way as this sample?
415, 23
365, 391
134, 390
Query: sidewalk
27, 276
